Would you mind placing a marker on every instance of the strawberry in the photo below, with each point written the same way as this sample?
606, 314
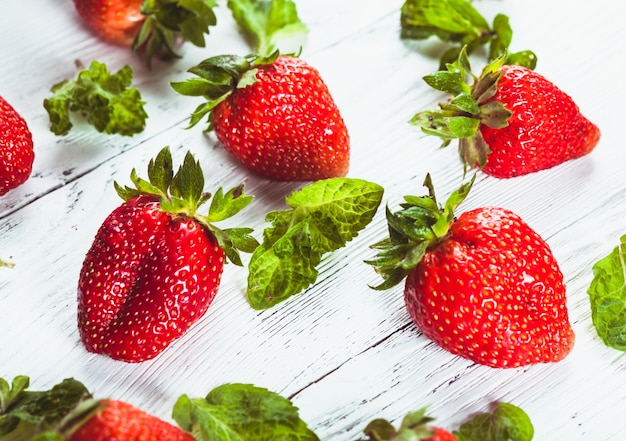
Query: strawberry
115, 420
512, 121
415, 426
155, 25
484, 285
155, 264
16, 148
274, 114
68, 411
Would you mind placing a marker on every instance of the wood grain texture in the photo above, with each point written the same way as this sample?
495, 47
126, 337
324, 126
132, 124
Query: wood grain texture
342, 352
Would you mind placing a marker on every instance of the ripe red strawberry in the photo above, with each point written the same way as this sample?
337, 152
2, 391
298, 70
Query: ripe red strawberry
114, 420
155, 264
16, 148
511, 122
153, 24
415, 426
275, 115
484, 286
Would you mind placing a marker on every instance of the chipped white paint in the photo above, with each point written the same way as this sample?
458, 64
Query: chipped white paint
344, 353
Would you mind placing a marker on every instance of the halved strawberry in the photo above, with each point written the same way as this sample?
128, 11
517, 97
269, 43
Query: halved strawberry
155, 264
482, 285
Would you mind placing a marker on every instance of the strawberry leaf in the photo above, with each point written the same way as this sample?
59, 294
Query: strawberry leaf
322, 218
506, 423
607, 295
269, 26
106, 100
27, 412
234, 412
459, 23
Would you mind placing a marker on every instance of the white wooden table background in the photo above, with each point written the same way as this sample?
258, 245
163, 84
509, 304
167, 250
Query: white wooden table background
342, 352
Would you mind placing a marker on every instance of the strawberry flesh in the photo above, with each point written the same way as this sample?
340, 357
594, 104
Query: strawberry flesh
492, 292
147, 278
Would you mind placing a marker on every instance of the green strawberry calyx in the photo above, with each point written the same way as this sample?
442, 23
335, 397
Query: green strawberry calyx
182, 193
217, 78
470, 107
39, 415
419, 226
414, 426
167, 21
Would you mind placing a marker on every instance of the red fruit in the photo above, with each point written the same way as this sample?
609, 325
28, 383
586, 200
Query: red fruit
512, 121
16, 148
546, 127
441, 435
484, 286
276, 116
155, 265
116, 21
120, 421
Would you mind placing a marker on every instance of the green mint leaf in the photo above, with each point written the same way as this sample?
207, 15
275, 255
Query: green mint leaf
270, 25
449, 20
506, 423
607, 295
37, 409
323, 217
236, 412
105, 100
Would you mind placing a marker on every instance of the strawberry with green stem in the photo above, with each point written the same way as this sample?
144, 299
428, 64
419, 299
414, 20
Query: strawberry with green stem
272, 112
155, 264
510, 122
483, 285
154, 25
68, 412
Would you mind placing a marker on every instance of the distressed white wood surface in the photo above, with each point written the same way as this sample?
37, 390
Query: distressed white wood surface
343, 353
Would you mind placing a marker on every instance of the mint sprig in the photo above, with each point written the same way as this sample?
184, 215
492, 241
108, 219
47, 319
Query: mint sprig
322, 218
505, 423
607, 295
235, 412
269, 26
459, 23
104, 99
